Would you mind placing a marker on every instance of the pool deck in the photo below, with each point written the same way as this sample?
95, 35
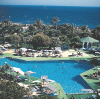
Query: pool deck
91, 82
44, 58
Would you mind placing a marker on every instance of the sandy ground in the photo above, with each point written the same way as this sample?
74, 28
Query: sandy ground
9, 51
69, 52
64, 53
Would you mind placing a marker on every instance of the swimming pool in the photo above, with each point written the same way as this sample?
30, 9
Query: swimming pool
68, 77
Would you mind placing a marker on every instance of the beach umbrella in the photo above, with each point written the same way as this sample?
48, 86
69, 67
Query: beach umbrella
23, 49
1, 46
9, 45
29, 50
5, 45
30, 72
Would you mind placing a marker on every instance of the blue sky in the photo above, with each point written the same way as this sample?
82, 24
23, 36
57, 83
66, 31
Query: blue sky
52, 2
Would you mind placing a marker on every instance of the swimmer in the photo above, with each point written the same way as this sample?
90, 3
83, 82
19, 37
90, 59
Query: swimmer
64, 67
35, 66
62, 62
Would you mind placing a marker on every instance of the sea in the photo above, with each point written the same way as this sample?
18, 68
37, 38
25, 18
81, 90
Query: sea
76, 15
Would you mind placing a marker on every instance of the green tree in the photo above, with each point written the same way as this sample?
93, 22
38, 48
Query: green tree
39, 23
83, 28
55, 20
54, 33
15, 39
96, 32
55, 41
40, 40
63, 38
75, 41
31, 28
29, 39
7, 22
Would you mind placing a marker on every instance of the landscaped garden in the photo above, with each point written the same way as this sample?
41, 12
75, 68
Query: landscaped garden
42, 42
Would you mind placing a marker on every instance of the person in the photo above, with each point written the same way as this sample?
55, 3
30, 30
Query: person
12, 59
59, 92
35, 66
78, 53
64, 67
72, 97
62, 62
95, 74
64, 98
98, 72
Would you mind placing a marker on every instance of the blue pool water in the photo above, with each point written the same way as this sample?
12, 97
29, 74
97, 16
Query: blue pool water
68, 77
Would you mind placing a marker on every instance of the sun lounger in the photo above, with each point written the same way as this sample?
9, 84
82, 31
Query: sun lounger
35, 81
98, 92
97, 53
33, 89
48, 80
37, 88
89, 97
72, 55
94, 96
49, 86
1, 54
53, 95
88, 90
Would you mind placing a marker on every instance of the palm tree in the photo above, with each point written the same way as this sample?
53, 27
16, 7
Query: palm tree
39, 23
7, 22
15, 39
55, 20
97, 32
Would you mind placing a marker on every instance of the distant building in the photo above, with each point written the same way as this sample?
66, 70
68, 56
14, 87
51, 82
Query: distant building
25, 28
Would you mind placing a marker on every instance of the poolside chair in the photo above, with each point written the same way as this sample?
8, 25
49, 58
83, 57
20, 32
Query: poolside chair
1, 53
33, 89
72, 55
94, 96
98, 92
37, 88
54, 95
89, 97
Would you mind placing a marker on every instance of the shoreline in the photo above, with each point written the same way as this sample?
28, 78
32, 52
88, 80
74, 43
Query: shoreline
31, 22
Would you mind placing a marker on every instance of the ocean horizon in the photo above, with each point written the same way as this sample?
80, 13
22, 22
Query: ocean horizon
27, 14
